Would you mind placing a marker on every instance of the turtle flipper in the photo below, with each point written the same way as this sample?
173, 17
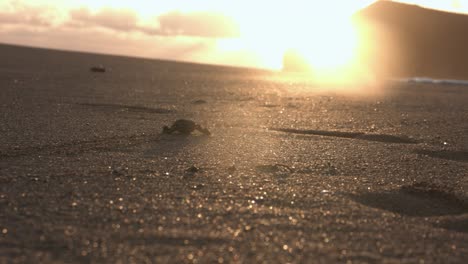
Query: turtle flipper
167, 130
203, 130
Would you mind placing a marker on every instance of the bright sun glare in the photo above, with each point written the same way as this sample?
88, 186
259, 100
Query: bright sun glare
330, 46
321, 33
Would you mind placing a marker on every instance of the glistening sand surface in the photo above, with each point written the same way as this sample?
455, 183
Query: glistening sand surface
289, 174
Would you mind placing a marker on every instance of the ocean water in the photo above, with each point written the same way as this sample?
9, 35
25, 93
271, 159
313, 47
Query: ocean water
434, 81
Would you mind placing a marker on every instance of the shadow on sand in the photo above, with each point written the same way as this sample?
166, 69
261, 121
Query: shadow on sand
354, 135
76, 147
446, 154
458, 225
170, 145
419, 199
134, 108
178, 240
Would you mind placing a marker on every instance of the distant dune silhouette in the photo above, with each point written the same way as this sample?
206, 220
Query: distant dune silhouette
405, 40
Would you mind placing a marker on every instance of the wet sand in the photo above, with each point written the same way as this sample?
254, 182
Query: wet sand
291, 173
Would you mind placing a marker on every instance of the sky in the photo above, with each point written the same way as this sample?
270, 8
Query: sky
240, 33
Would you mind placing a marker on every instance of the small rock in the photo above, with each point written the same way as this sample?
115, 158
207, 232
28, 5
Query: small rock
193, 169
232, 169
197, 186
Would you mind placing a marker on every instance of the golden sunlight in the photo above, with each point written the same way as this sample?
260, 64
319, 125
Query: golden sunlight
329, 49
320, 33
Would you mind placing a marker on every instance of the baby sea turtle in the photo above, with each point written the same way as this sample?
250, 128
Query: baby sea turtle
184, 127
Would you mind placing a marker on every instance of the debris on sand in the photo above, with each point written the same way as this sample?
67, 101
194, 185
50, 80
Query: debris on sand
99, 68
232, 169
329, 169
185, 127
199, 102
119, 171
197, 186
193, 169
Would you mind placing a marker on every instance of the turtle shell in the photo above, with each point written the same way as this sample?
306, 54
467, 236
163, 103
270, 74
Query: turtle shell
184, 126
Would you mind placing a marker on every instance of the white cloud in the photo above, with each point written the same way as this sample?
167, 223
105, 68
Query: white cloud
190, 36
17, 12
204, 24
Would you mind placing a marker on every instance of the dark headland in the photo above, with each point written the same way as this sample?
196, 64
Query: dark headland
413, 41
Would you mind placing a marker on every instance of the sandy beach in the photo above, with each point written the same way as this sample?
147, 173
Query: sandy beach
291, 173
